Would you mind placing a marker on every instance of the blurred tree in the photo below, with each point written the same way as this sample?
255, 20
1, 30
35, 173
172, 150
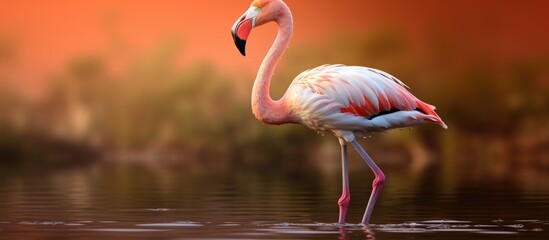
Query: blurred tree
155, 106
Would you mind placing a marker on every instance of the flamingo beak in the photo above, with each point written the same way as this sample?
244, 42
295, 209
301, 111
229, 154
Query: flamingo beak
242, 28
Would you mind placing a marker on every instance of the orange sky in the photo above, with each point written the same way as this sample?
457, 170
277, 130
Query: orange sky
50, 33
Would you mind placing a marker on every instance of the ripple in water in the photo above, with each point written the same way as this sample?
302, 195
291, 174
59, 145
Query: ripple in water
171, 224
428, 226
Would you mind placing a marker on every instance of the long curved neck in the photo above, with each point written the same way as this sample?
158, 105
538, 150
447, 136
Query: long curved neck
264, 107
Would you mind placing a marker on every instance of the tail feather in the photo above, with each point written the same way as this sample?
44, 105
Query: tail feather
429, 110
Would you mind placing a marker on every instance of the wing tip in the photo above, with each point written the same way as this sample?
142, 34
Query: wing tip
429, 110
437, 120
443, 125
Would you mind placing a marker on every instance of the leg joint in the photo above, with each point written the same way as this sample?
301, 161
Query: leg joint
379, 180
344, 200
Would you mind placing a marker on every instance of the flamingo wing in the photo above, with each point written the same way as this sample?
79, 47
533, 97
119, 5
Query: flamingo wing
358, 99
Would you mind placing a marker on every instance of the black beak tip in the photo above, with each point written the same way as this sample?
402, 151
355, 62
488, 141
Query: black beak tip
240, 44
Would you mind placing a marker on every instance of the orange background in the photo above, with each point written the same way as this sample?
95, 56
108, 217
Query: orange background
48, 34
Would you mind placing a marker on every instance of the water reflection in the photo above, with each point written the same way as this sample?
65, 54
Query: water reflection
166, 202
243, 230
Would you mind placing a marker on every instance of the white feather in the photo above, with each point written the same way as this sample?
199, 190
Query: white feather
317, 97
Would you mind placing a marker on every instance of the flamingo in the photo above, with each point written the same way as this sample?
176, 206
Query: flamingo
335, 99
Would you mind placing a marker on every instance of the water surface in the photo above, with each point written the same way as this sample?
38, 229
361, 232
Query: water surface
138, 201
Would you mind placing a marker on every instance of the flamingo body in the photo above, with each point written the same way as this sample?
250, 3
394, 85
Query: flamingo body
342, 100
336, 99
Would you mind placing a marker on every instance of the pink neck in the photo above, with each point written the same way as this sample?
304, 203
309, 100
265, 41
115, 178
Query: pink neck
264, 107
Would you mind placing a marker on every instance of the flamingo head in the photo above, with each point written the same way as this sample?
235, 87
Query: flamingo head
259, 13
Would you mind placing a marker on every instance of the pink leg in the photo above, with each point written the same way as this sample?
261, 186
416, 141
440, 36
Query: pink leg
376, 185
346, 194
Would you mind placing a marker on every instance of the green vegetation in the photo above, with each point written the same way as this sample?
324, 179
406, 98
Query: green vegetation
151, 107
